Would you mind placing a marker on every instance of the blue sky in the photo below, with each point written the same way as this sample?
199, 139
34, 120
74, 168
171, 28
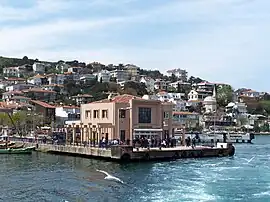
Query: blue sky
219, 40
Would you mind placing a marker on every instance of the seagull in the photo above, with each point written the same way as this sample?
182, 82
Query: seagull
110, 177
248, 161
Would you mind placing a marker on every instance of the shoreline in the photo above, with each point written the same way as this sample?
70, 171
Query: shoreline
125, 153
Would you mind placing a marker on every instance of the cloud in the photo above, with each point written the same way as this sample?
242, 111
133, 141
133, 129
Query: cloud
224, 41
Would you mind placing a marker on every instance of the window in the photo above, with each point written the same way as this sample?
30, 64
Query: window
122, 113
144, 115
104, 114
87, 114
166, 115
96, 114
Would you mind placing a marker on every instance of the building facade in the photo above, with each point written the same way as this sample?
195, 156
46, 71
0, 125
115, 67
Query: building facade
126, 117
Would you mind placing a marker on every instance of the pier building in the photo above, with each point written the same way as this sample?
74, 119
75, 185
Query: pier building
124, 118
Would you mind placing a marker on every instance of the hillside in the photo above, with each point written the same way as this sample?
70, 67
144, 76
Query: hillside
9, 62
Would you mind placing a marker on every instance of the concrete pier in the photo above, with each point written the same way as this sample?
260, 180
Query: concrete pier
128, 153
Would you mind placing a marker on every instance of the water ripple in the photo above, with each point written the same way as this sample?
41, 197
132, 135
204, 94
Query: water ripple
43, 177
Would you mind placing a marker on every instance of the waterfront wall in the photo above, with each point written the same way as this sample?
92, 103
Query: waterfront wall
127, 153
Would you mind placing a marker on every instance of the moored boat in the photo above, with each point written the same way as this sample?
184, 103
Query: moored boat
25, 150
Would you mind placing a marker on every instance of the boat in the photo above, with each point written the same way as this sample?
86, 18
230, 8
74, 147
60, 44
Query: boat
211, 137
25, 150
12, 146
223, 137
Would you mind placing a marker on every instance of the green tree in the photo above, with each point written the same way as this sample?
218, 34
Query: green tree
4, 119
173, 78
224, 95
265, 127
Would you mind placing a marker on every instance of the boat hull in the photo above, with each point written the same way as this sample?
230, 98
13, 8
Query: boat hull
27, 150
232, 138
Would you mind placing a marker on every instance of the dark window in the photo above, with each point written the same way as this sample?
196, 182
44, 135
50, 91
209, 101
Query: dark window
122, 113
144, 115
122, 135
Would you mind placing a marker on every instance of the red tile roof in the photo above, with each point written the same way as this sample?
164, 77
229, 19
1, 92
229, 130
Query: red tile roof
43, 104
13, 93
15, 79
70, 107
120, 99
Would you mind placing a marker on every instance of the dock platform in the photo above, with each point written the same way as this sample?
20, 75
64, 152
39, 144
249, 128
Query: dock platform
128, 153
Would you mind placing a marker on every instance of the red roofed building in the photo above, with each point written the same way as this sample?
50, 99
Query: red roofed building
126, 117
40, 94
47, 110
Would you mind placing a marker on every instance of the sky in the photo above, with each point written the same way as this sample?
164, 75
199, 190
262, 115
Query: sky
225, 41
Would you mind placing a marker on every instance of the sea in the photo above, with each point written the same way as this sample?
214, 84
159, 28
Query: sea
45, 177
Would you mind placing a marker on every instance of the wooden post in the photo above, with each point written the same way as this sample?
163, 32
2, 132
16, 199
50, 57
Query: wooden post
183, 136
73, 133
81, 133
85, 134
67, 135
99, 134
89, 134
94, 136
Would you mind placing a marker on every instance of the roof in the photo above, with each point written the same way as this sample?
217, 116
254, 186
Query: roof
70, 107
39, 90
38, 76
21, 97
15, 79
43, 104
120, 99
184, 113
54, 85
83, 95
162, 93
13, 92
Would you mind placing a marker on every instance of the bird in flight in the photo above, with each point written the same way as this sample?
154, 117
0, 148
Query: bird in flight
110, 177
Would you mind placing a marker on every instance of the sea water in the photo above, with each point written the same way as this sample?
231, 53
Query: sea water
45, 177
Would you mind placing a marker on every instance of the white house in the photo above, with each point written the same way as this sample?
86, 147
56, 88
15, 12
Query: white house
251, 93
132, 70
39, 67
58, 79
19, 87
66, 113
179, 83
74, 70
149, 83
13, 71
204, 88
37, 80
120, 75
62, 67
194, 95
103, 76
161, 84
181, 74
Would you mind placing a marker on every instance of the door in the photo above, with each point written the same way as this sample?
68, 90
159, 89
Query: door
122, 135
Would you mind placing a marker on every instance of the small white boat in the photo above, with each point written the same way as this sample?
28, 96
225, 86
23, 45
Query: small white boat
227, 137
211, 137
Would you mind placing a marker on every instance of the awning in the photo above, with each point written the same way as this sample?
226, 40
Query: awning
147, 130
